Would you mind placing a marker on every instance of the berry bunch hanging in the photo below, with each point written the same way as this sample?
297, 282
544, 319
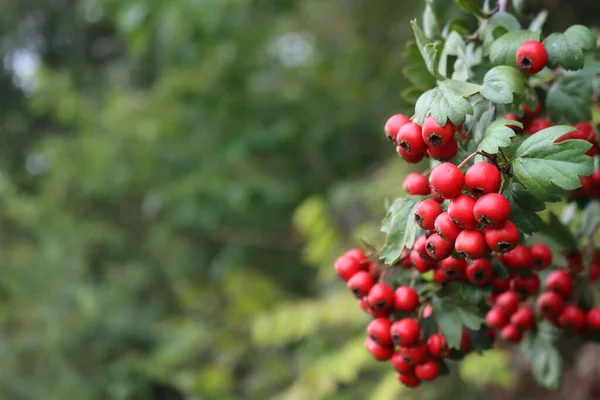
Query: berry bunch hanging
472, 257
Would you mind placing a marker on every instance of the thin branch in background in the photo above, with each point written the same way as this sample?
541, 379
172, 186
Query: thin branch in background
502, 4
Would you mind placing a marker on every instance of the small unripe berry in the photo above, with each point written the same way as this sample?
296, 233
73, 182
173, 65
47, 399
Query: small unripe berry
380, 297
438, 248
523, 318
428, 371
406, 299
518, 258
496, 318
393, 125
502, 239
410, 140
508, 302
560, 282
447, 180
360, 284
410, 381
437, 345
532, 56
400, 364
492, 209
550, 304
426, 212
460, 211
445, 152
511, 333
542, 256
471, 244
379, 352
480, 272
482, 178
379, 331
406, 332
416, 184
434, 135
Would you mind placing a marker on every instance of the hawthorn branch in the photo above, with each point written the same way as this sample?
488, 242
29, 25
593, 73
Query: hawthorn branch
502, 4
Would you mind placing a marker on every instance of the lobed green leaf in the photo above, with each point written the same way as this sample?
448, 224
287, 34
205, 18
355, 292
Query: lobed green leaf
400, 226
499, 84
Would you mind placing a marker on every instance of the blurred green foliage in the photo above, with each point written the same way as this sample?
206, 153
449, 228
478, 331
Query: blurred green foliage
175, 180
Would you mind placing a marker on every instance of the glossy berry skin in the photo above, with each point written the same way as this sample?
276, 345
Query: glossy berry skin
446, 228
532, 56
437, 345
393, 125
560, 282
496, 318
400, 364
406, 299
480, 272
420, 248
410, 381
511, 333
550, 304
539, 124
380, 297
542, 256
518, 258
438, 248
434, 135
408, 157
482, 178
593, 319
523, 318
460, 211
358, 254
492, 209
508, 302
406, 332
572, 318
426, 212
409, 139
454, 269
347, 267
428, 371
471, 244
379, 331
502, 239
361, 284
416, 184
445, 152
447, 180
380, 353
422, 265
532, 114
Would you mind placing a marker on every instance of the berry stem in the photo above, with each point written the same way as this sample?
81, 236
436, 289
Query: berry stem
466, 160
413, 278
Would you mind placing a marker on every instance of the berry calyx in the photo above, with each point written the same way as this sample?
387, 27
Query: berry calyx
502, 239
482, 178
434, 135
380, 297
428, 371
409, 139
460, 211
452, 268
471, 244
405, 332
480, 272
416, 184
550, 304
393, 125
438, 248
492, 209
379, 331
406, 299
426, 212
532, 56
447, 180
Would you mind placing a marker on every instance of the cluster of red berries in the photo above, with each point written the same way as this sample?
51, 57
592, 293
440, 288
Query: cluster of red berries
413, 142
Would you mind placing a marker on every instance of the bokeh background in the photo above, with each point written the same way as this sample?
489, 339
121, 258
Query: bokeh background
176, 179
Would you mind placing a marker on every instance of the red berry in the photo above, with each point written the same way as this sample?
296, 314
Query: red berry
409, 139
460, 211
406, 332
480, 272
420, 248
426, 212
416, 354
428, 371
358, 254
445, 152
560, 282
465, 342
379, 331
400, 364
380, 353
593, 318
410, 381
511, 333
502, 239
471, 244
539, 124
405, 259
410, 158
435, 135
416, 184
482, 178
347, 267
513, 117
440, 277
572, 318
586, 129
406, 299
422, 265
550, 304
575, 262
508, 302
446, 228
492, 209
532, 56
518, 258
526, 286
453, 268
393, 125
380, 297
594, 273
438, 248
437, 345
496, 318
532, 113
542, 256
523, 318
500, 285
360, 284
447, 180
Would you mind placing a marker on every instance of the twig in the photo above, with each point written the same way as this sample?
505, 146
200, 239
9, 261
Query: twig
471, 156
502, 4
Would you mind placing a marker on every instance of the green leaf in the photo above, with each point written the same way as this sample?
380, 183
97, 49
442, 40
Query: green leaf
428, 50
448, 320
431, 26
504, 50
497, 135
542, 165
590, 219
459, 25
400, 226
501, 82
556, 230
469, 6
453, 46
582, 37
419, 77
482, 119
546, 362
524, 208
473, 294
538, 22
447, 102
562, 51
570, 98
501, 21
